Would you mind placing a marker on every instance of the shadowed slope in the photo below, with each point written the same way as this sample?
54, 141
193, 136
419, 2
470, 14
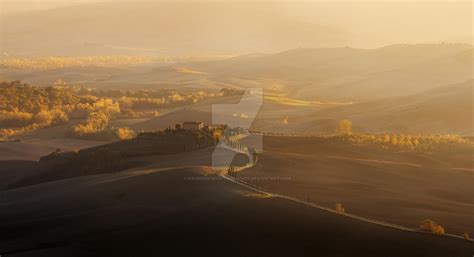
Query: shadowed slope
183, 212
400, 187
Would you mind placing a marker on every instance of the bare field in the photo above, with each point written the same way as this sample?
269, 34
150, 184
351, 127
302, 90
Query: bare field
152, 213
401, 188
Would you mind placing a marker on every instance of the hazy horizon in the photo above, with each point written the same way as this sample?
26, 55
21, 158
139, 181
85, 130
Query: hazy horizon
236, 128
43, 28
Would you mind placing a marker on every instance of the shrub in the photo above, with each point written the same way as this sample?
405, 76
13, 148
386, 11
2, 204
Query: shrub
339, 208
345, 127
466, 236
431, 226
125, 133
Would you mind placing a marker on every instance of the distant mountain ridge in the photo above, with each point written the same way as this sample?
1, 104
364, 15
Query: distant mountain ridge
160, 28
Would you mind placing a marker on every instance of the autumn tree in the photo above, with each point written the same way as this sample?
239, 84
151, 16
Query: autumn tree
338, 208
96, 122
466, 236
43, 118
125, 133
394, 140
217, 135
15, 118
345, 127
431, 226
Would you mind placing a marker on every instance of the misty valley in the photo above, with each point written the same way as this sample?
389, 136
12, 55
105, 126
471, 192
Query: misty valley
236, 128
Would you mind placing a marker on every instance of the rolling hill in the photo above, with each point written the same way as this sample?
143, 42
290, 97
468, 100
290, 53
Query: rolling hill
399, 187
443, 110
348, 74
158, 211
155, 197
314, 74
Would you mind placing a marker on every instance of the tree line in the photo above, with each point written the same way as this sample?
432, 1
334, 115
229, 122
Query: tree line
407, 142
25, 108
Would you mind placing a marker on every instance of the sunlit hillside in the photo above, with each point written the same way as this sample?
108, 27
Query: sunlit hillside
282, 128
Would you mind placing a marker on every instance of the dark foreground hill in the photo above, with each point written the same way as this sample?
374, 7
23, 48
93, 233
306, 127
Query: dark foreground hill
151, 148
189, 212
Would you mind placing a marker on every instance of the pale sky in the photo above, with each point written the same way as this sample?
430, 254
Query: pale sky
27, 5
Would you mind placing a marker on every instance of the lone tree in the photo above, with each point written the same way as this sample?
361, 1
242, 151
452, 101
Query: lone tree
466, 236
338, 208
345, 127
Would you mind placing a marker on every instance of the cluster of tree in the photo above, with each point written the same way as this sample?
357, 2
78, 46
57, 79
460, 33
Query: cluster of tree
231, 91
125, 133
172, 99
15, 118
141, 103
23, 97
64, 62
39, 120
25, 108
100, 113
118, 93
129, 113
97, 121
15, 96
431, 226
139, 107
409, 142
399, 141
202, 137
